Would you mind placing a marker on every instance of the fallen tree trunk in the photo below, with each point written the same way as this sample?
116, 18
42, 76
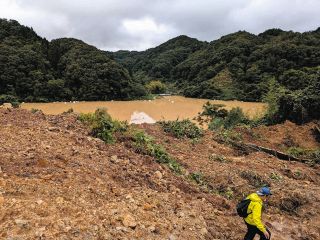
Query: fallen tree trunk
278, 154
255, 148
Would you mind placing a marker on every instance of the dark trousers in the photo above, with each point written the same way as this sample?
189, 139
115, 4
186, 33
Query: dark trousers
252, 231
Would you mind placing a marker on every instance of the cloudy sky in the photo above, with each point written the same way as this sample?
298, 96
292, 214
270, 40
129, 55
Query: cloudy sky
141, 24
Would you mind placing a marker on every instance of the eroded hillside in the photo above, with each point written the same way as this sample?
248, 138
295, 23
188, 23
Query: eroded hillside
58, 182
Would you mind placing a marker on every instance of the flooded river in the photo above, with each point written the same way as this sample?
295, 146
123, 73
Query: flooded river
167, 108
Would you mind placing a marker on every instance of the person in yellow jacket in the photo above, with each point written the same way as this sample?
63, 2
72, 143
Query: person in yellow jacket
253, 220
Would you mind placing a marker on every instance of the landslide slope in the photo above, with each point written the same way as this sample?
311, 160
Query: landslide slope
57, 182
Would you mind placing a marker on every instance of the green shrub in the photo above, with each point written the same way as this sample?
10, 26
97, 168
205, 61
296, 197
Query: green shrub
218, 158
156, 87
312, 154
228, 136
275, 176
226, 192
15, 104
235, 117
102, 126
254, 179
296, 152
218, 118
216, 124
4, 98
180, 129
70, 110
198, 178
144, 143
34, 110
211, 111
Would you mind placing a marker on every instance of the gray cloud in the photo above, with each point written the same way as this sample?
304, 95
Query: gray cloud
141, 24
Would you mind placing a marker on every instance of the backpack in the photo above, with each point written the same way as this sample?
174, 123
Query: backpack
242, 208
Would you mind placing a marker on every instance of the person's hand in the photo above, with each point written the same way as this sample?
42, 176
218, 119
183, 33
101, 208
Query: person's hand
266, 234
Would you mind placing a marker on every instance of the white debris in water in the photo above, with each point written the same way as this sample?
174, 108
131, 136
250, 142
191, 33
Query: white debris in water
141, 117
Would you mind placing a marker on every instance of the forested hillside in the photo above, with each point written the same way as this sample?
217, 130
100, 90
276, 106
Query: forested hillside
279, 67
276, 66
34, 69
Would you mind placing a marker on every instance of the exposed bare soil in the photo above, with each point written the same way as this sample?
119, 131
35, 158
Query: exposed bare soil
57, 182
284, 136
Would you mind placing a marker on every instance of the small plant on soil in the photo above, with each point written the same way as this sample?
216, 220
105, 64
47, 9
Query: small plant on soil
194, 141
296, 151
198, 178
144, 143
226, 192
218, 158
180, 129
275, 176
228, 136
15, 104
102, 126
254, 179
313, 155
70, 110
34, 110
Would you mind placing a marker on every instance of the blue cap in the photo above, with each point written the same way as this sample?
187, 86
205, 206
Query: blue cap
265, 191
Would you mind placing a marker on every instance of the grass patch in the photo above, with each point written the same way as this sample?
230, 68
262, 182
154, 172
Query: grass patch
143, 143
228, 136
35, 110
313, 155
198, 178
254, 179
275, 176
102, 126
181, 129
70, 110
226, 192
218, 158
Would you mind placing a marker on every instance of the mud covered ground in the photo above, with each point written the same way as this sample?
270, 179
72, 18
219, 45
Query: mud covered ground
57, 182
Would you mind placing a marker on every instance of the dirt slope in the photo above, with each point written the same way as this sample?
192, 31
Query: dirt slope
57, 182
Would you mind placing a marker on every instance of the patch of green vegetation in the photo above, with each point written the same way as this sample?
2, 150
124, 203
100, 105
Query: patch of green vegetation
254, 179
198, 178
219, 118
180, 129
275, 176
156, 87
219, 158
194, 141
35, 110
227, 193
102, 126
228, 136
313, 155
145, 144
70, 110
15, 104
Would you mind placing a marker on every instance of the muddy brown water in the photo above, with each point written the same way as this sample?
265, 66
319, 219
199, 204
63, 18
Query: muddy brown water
164, 108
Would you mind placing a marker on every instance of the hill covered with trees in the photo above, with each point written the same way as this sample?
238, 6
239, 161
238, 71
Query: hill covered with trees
280, 67
276, 66
34, 69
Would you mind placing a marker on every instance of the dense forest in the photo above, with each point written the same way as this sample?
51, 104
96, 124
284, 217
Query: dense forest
276, 66
34, 69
